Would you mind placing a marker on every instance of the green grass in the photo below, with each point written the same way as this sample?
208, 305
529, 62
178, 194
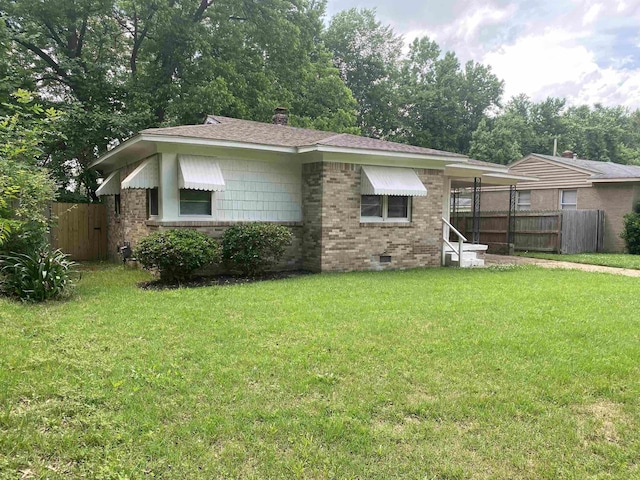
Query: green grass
431, 374
620, 260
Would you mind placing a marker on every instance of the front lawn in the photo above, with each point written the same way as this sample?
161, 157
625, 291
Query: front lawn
620, 260
443, 374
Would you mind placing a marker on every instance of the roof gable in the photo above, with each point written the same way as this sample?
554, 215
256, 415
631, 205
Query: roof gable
596, 170
550, 174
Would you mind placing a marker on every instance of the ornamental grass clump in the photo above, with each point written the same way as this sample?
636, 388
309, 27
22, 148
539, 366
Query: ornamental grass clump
177, 253
40, 275
253, 248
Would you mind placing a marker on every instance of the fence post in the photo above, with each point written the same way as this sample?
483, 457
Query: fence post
559, 240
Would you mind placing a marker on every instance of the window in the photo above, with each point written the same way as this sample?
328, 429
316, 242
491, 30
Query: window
523, 200
397, 207
371, 206
116, 204
461, 201
195, 202
384, 208
568, 199
152, 202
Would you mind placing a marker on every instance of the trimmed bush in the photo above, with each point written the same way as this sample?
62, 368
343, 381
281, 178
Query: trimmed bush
37, 276
631, 231
177, 253
253, 248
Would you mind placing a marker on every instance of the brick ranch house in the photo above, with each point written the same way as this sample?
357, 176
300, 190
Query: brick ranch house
351, 202
568, 182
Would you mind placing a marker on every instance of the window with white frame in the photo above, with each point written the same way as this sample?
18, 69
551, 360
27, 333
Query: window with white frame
385, 208
195, 202
568, 199
523, 200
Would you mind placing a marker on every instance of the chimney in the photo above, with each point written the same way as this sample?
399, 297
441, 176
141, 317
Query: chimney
280, 117
567, 154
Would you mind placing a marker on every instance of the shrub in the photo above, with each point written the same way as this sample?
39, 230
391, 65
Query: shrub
177, 253
41, 275
254, 247
631, 231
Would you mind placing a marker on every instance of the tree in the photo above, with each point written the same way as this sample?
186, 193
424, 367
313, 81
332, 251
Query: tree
443, 103
117, 66
598, 133
367, 54
25, 187
608, 134
523, 127
495, 143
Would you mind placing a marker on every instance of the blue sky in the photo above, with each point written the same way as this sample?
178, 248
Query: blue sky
585, 50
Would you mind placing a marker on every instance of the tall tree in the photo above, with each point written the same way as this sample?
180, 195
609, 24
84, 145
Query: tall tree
367, 55
116, 66
598, 133
443, 103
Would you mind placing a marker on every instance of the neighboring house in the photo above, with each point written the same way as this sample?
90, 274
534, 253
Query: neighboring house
352, 203
570, 183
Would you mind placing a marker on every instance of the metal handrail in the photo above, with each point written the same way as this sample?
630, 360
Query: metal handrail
461, 240
454, 230
450, 244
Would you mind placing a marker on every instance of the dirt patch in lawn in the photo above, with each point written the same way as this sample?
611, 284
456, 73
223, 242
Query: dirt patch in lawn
220, 280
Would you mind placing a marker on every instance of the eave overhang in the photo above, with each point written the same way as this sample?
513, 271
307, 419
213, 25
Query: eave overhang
144, 145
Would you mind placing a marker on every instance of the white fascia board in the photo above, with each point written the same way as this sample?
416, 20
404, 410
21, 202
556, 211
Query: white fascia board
614, 180
217, 143
481, 168
508, 176
380, 153
120, 149
114, 151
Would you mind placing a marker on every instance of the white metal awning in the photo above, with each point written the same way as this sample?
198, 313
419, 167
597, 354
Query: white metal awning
200, 173
145, 175
378, 180
110, 186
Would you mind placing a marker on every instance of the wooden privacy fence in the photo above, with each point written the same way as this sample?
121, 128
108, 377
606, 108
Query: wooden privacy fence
565, 231
80, 229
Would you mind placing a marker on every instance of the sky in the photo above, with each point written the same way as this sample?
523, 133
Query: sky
587, 51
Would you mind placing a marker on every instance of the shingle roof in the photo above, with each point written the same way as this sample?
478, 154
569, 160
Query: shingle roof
246, 131
599, 169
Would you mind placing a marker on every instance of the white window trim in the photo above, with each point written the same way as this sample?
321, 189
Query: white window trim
520, 204
385, 211
564, 205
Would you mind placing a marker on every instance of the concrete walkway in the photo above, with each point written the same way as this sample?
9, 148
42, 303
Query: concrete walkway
491, 259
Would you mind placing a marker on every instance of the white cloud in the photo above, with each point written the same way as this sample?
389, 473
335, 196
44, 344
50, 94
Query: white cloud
592, 14
468, 26
462, 34
585, 50
555, 63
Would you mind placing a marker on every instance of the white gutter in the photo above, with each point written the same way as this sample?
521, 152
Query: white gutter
217, 143
614, 180
482, 168
508, 176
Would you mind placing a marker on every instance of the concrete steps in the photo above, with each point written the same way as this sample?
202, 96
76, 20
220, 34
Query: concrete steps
472, 255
